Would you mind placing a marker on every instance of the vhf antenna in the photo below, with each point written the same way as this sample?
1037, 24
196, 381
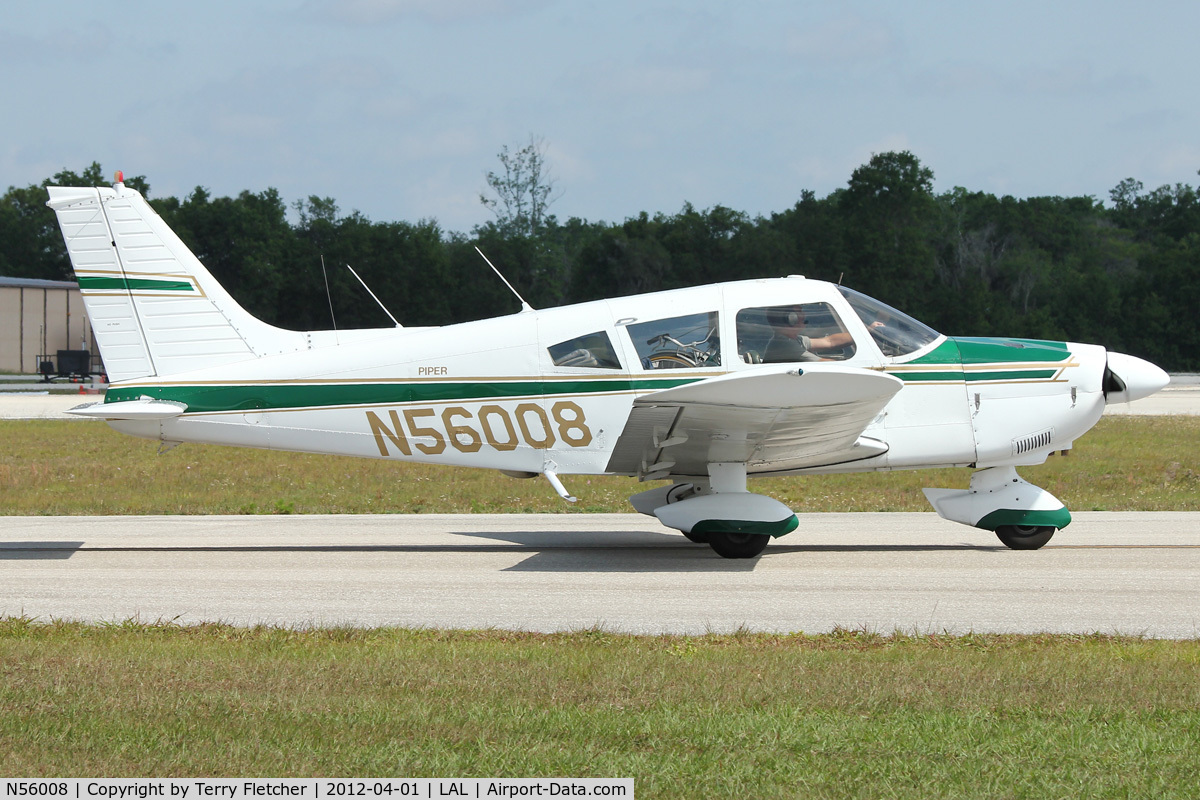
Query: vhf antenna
373, 297
524, 306
328, 296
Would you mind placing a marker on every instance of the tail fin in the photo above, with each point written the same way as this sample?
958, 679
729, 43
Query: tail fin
154, 307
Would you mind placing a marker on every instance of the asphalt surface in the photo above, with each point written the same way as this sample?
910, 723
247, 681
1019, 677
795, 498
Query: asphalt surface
1130, 573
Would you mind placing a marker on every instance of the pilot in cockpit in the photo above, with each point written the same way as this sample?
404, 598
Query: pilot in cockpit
789, 343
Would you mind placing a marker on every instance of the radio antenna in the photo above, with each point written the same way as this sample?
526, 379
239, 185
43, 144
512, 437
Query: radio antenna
373, 297
328, 296
524, 306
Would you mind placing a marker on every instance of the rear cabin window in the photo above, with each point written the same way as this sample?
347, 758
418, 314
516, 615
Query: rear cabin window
592, 350
797, 332
678, 342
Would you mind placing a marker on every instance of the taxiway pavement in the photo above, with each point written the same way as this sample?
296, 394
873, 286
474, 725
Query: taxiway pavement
1130, 573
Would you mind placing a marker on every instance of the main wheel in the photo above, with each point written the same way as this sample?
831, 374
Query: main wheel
1025, 537
738, 545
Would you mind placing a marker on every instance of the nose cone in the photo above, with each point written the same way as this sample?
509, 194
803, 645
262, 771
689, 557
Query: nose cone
1128, 378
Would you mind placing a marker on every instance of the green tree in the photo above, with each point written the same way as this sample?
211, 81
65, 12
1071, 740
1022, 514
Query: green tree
889, 218
243, 242
31, 245
817, 243
622, 260
522, 192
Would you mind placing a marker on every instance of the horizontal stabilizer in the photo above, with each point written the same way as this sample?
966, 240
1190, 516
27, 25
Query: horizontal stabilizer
145, 408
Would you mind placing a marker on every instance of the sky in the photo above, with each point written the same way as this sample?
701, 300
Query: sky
398, 109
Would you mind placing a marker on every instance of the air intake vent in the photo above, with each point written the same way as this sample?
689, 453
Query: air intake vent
1034, 441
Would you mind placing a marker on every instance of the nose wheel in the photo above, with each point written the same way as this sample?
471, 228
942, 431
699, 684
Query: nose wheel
1024, 537
738, 545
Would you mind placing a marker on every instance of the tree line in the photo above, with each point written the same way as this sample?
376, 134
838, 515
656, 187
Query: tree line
1125, 274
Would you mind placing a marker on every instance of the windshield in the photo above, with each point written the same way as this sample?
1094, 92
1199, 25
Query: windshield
895, 332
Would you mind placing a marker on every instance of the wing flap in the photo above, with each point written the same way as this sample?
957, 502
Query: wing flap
772, 419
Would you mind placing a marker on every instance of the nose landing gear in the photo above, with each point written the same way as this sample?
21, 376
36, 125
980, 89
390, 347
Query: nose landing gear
1023, 516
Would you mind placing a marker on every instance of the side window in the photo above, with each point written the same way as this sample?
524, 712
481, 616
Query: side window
678, 342
592, 350
799, 332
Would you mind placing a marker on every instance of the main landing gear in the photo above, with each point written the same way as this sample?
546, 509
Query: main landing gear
720, 512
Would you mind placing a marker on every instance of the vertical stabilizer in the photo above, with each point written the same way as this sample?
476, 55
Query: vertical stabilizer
154, 307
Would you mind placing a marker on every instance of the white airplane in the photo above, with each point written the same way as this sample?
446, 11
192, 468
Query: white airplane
699, 387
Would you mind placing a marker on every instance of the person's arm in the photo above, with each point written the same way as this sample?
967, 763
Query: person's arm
831, 341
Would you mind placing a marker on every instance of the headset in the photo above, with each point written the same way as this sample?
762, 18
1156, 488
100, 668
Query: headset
781, 316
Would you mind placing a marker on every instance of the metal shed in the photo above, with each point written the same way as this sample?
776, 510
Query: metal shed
39, 318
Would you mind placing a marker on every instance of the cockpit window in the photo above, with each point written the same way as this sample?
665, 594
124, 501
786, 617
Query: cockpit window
678, 342
798, 332
593, 350
896, 333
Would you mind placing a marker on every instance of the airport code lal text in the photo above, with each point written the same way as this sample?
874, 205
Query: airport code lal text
313, 789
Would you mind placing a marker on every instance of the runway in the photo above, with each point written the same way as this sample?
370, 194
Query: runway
1130, 573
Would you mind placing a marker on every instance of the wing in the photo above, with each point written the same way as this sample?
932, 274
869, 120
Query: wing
772, 419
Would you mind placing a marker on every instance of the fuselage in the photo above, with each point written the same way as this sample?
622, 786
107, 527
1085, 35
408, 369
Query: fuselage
553, 389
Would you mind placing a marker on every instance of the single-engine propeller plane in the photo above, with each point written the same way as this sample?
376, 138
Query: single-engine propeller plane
700, 387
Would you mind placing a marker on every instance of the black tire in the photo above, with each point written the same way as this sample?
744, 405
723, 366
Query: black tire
1025, 537
738, 545
698, 538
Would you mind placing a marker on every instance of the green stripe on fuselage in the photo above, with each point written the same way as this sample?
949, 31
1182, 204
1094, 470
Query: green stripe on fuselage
1000, 351
1010, 359
273, 396
941, 376
945, 353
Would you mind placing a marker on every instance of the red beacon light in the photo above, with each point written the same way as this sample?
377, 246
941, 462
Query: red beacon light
120, 176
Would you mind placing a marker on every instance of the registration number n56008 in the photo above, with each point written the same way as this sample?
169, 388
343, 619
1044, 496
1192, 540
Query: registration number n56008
431, 431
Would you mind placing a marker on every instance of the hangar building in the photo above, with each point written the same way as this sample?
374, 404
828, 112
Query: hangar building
38, 318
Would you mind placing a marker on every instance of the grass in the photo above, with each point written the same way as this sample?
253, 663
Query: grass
80, 467
847, 714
